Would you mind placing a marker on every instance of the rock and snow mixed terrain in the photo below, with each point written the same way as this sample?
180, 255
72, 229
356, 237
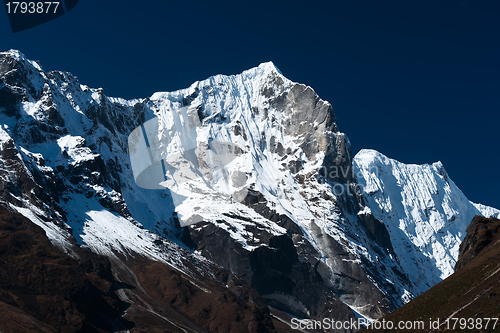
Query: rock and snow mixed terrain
310, 227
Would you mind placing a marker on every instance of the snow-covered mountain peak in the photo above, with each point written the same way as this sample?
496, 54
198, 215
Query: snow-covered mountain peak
16, 54
275, 126
425, 213
270, 66
278, 128
20, 59
263, 70
372, 154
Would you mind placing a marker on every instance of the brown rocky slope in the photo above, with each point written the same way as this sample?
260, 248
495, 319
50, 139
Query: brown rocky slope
45, 290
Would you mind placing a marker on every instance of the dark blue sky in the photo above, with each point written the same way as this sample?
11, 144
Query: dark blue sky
416, 80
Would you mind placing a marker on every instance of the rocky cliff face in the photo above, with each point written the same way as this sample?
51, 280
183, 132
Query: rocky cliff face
286, 207
481, 233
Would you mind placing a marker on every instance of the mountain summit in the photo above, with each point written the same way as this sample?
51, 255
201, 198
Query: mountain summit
245, 176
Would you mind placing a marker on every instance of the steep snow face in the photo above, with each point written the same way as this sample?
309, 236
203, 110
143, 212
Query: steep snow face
425, 213
266, 145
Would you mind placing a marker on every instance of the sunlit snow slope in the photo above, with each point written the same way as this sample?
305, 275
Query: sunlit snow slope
425, 213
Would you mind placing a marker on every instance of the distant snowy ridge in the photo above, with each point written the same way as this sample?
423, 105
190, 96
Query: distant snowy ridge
425, 213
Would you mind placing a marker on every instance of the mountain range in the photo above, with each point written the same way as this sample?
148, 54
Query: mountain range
233, 205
